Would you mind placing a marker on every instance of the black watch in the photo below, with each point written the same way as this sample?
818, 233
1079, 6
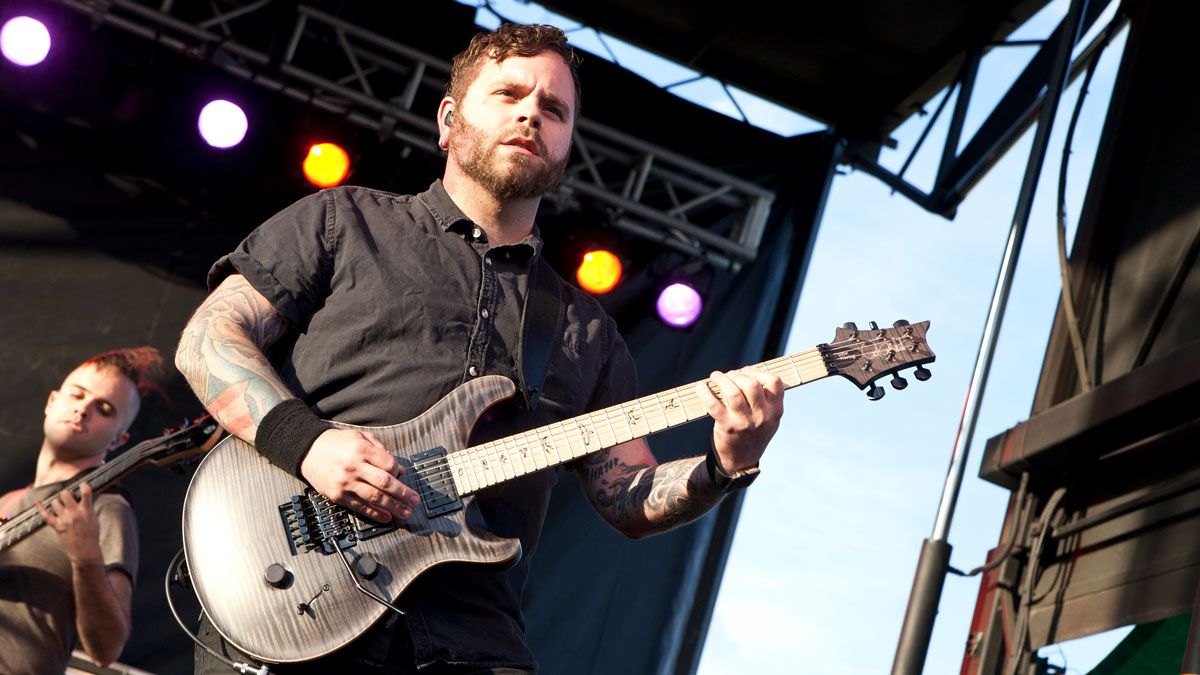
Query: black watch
725, 482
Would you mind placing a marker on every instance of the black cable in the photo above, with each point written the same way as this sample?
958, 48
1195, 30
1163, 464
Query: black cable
1017, 533
1068, 300
173, 570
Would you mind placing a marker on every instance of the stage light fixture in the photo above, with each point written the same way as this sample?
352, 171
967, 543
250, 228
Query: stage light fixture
599, 272
222, 124
679, 305
326, 165
25, 41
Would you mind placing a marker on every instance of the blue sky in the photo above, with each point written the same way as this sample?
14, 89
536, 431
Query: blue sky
822, 563
823, 559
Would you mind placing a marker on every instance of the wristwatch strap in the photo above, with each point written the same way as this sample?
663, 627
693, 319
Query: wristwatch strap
725, 482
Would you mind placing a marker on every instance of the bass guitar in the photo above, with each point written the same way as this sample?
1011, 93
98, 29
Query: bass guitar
191, 439
287, 575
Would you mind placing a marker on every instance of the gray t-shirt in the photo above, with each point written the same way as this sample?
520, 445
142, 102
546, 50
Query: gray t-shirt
37, 601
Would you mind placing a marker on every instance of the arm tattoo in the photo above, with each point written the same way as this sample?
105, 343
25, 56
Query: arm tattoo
221, 356
619, 486
642, 500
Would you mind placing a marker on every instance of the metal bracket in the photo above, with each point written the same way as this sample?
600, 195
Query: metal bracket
372, 81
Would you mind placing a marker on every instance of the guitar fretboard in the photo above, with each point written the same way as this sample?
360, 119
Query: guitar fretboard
485, 465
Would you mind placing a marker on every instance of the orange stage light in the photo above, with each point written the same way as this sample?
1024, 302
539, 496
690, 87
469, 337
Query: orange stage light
326, 165
600, 271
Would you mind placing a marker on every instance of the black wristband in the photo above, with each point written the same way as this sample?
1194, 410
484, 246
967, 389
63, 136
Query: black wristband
723, 481
287, 432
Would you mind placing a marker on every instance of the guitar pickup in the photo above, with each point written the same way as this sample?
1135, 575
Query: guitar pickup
435, 482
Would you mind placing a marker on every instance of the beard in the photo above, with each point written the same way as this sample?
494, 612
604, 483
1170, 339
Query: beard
515, 176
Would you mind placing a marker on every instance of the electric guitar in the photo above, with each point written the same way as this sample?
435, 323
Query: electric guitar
191, 439
287, 575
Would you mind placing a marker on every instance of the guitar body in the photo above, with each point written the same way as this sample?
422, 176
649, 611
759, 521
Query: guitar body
235, 528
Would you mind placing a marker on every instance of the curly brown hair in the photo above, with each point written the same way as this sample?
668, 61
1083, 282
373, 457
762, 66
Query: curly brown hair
142, 365
510, 39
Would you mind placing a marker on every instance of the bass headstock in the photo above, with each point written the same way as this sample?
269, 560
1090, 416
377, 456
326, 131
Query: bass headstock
864, 356
193, 437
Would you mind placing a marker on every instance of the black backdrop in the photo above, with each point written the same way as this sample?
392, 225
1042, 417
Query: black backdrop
111, 210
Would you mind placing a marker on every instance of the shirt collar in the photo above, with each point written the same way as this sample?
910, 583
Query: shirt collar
451, 218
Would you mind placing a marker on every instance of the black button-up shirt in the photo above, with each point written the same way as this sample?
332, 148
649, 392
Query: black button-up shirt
394, 300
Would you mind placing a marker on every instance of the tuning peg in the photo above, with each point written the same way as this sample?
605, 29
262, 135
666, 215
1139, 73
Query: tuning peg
922, 374
900, 324
898, 382
876, 392
850, 325
874, 326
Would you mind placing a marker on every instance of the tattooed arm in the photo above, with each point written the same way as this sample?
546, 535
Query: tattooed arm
641, 497
221, 356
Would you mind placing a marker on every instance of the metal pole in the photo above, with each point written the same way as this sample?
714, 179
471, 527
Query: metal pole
930, 575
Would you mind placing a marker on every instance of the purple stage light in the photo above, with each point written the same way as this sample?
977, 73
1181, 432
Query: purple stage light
25, 41
679, 305
222, 124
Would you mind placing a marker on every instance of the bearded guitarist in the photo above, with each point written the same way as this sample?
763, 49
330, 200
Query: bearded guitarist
367, 307
72, 580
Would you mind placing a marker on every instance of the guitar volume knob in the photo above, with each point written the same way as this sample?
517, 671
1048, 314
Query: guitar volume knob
367, 566
277, 576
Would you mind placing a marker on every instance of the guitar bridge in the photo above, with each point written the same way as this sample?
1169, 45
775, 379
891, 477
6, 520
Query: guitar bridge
314, 523
435, 482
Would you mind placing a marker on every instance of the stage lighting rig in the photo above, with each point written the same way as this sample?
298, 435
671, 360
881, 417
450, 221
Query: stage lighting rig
222, 124
326, 165
599, 271
679, 305
25, 41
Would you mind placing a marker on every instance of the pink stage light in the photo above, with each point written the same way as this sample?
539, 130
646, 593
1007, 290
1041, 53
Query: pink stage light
25, 41
222, 124
679, 305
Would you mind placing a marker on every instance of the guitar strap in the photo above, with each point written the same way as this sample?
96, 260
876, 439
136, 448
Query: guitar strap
541, 323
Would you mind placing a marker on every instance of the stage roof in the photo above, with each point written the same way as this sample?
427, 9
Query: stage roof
861, 66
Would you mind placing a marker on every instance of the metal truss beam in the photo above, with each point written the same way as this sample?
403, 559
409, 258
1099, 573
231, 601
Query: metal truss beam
373, 82
958, 171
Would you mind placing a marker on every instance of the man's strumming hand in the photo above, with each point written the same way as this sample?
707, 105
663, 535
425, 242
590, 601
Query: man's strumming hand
354, 469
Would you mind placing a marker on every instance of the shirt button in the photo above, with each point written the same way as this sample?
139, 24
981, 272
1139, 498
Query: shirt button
483, 313
476, 232
472, 371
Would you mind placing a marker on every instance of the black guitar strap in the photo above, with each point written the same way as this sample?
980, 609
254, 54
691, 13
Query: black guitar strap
541, 324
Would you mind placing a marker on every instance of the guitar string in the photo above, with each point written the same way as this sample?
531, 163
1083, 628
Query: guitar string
779, 366
788, 362
30, 519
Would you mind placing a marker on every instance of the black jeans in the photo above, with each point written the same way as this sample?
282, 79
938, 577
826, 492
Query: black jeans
382, 650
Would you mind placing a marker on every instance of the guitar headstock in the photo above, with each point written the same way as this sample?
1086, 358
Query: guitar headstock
192, 438
863, 356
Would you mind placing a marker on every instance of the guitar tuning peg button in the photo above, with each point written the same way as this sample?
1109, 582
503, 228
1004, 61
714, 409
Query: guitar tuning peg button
850, 325
898, 382
922, 374
876, 392
874, 326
